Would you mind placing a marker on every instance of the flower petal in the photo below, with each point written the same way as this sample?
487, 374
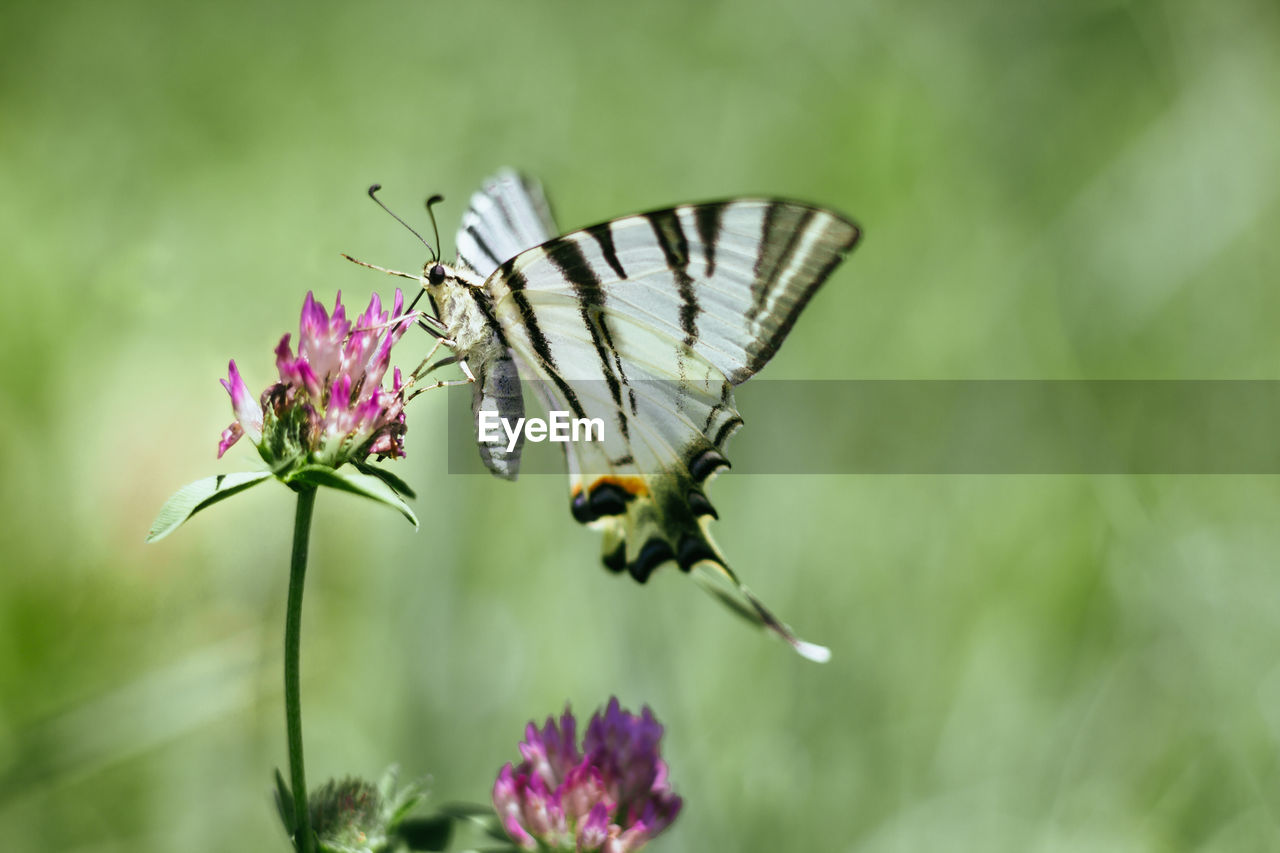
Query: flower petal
612, 797
230, 436
247, 410
506, 802
594, 830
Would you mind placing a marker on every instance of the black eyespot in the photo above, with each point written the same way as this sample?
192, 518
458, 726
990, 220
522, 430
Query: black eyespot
616, 560
654, 553
581, 509
694, 549
700, 505
436, 275
702, 465
608, 499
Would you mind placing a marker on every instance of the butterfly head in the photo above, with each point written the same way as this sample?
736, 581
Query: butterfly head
435, 276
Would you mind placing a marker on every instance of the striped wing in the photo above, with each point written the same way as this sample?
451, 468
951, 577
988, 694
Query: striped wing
647, 322
506, 216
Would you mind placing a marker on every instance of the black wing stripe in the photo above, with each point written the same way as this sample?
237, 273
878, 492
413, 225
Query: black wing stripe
727, 429
775, 254
675, 246
670, 234
770, 346
767, 258
726, 401
568, 257
482, 246
500, 205
516, 284
485, 305
707, 219
604, 236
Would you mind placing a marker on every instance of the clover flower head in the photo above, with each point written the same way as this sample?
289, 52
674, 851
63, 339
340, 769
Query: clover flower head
612, 796
330, 405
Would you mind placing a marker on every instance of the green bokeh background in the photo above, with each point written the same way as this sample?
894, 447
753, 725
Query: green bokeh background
1071, 190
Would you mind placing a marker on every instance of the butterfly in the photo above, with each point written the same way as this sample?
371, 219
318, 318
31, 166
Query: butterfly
643, 323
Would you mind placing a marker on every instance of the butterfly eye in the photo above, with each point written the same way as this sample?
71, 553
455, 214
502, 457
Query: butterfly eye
436, 274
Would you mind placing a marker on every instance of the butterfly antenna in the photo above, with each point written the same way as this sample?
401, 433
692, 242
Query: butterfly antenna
435, 229
435, 256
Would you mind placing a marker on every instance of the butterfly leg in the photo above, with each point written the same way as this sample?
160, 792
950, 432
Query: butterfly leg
447, 383
444, 362
422, 370
433, 327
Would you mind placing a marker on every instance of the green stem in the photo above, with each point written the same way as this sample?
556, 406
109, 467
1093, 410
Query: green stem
304, 840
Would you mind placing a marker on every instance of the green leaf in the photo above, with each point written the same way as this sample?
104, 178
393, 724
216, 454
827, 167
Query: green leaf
426, 833
284, 803
199, 495
387, 477
348, 480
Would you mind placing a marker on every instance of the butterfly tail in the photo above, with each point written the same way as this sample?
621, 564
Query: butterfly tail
718, 580
651, 521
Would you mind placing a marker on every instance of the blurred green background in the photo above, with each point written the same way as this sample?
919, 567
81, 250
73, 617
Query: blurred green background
1072, 190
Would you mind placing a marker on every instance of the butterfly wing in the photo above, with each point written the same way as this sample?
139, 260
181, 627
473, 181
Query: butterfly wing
506, 216
647, 322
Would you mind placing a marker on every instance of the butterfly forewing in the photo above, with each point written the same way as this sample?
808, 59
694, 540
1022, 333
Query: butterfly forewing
726, 279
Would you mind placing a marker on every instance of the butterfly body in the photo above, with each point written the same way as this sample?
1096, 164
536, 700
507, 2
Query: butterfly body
647, 322
465, 311
460, 313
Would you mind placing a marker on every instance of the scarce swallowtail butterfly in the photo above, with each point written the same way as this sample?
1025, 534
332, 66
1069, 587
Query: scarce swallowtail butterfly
645, 322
